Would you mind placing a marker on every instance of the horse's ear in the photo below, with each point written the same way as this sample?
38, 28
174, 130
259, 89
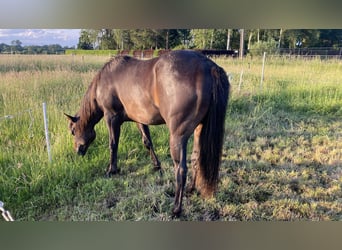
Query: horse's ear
71, 118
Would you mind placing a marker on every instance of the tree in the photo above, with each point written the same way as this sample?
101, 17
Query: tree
119, 37
185, 37
84, 42
211, 38
330, 38
94, 37
200, 38
16, 46
229, 33
54, 49
301, 38
258, 48
124, 39
280, 37
174, 38
107, 40
4, 48
252, 33
145, 38
219, 37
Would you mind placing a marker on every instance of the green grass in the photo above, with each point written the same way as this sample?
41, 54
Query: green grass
281, 158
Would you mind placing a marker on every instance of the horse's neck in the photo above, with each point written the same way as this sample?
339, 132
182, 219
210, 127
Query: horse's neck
90, 112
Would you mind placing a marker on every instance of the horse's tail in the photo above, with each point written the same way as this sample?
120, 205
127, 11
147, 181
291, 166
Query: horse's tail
211, 137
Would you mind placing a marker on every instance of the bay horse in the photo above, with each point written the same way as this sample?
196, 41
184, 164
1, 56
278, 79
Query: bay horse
182, 89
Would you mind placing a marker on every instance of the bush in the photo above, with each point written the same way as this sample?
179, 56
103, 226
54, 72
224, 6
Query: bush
257, 49
91, 52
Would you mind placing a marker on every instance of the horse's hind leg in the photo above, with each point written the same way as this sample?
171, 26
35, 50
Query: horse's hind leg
178, 152
146, 138
195, 158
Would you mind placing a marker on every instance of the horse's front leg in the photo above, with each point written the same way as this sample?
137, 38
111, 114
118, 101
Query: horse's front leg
114, 123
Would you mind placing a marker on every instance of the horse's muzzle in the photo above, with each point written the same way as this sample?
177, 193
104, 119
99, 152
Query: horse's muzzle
81, 150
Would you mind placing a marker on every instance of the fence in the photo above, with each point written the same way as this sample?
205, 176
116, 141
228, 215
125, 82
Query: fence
45, 118
308, 53
150, 53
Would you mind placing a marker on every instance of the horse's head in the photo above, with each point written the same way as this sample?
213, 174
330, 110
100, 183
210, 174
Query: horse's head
83, 136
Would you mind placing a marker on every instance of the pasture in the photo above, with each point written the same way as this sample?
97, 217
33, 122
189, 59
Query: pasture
282, 153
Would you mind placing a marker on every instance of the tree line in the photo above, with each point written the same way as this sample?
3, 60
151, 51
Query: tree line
254, 40
123, 39
16, 47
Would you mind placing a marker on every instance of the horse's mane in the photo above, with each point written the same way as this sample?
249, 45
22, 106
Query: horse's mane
86, 112
115, 62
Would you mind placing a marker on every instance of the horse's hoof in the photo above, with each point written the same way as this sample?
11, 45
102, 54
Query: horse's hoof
189, 190
159, 170
112, 173
176, 212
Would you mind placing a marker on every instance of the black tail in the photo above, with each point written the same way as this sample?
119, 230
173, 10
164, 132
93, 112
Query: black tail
211, 138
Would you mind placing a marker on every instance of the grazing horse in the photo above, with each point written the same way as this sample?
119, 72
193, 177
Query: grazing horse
182, 89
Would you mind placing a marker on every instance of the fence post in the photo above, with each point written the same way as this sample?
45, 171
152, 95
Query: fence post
262, 71
46, 132
6, 214
240, 82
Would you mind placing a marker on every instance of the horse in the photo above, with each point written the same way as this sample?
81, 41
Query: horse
184, 90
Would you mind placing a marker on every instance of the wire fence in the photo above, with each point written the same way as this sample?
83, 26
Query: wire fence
303, 53
5, 213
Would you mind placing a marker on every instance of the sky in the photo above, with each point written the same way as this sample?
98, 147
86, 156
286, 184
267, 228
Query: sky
63, 37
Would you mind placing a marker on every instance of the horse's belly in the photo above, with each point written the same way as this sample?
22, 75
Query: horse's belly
145, 116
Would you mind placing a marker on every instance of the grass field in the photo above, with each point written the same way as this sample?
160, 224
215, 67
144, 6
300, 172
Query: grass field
282, 156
